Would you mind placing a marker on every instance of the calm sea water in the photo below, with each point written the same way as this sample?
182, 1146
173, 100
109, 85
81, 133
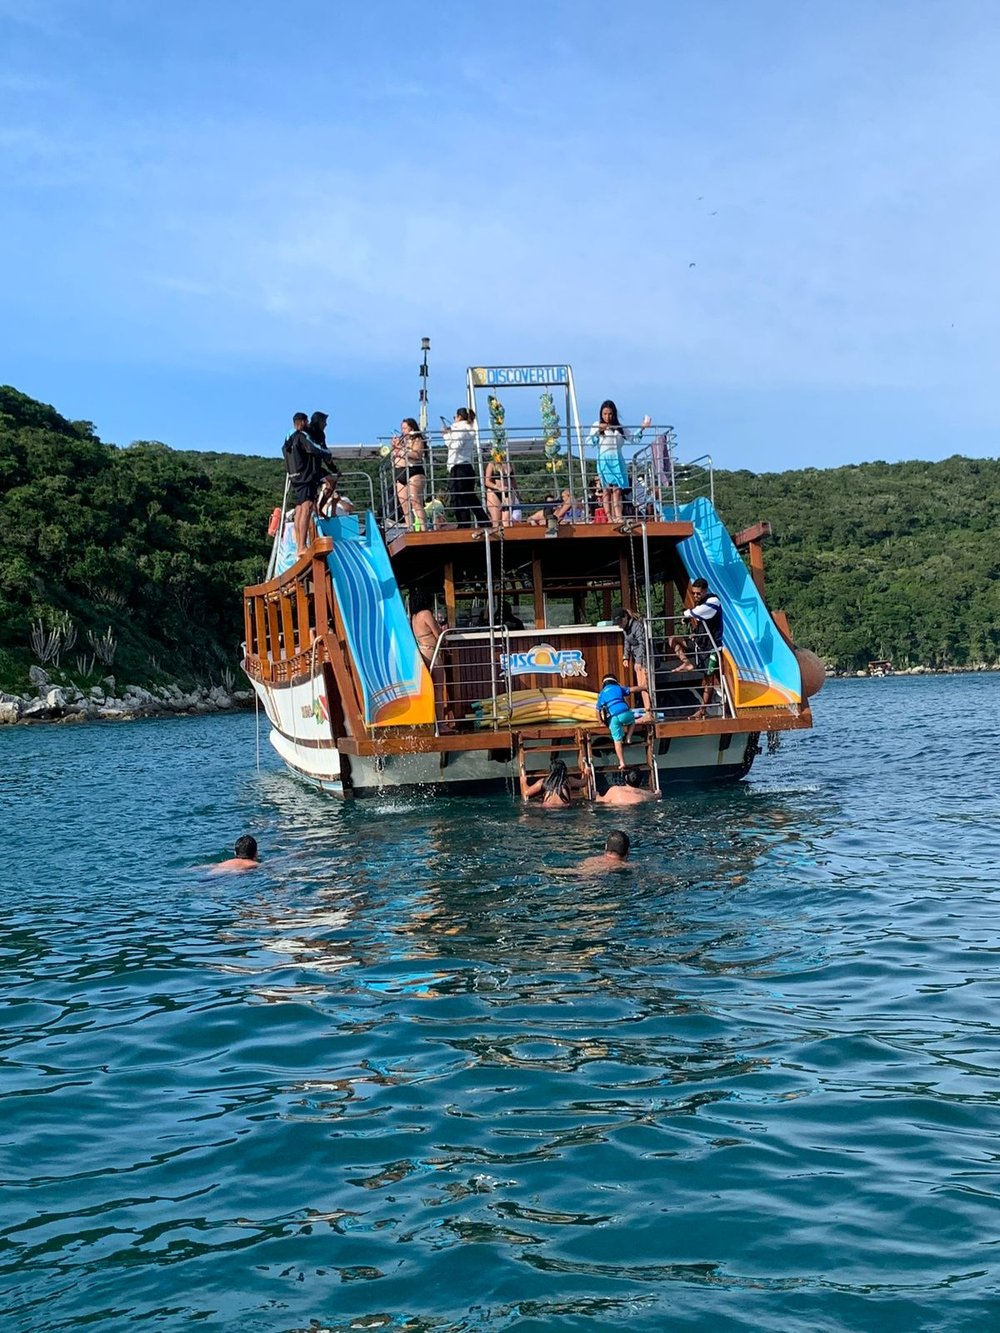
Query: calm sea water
409, 1076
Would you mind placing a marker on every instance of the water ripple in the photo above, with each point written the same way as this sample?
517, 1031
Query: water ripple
415, 1073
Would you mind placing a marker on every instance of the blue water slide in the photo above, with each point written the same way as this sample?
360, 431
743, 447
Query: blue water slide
766, 667
395, 684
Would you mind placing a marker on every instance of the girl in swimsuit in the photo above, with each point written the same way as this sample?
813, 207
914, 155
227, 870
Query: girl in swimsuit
557, 788
408, 454
500, 485
608, 436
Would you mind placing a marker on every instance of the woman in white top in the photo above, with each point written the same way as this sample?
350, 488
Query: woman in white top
460, 437
608, 436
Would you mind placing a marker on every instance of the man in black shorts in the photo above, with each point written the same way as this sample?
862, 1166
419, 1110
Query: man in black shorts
304, 462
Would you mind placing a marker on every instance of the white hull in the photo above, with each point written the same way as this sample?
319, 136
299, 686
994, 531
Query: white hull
300, 735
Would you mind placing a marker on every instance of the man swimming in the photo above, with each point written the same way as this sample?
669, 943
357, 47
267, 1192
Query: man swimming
614, 856
628, 792
246, 857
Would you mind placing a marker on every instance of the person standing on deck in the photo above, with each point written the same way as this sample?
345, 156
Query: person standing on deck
304, 464
460, 437
427, 632
705, 618
608, 436
409, 453
635, 649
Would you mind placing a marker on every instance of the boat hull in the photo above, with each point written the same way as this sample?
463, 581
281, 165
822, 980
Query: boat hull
300, 735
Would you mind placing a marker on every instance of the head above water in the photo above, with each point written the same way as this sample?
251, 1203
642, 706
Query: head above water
246, 848
558, 781
618, 844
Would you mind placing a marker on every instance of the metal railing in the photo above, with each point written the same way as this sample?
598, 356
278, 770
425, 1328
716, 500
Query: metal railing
522, 478
472, 689
678, 691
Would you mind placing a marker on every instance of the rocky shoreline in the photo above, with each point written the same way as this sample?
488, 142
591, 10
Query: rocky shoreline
106, 702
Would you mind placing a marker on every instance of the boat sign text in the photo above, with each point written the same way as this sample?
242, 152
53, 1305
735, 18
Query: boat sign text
498, 376
544, 660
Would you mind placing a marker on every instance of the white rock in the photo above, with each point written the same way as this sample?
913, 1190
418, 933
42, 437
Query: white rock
55, 699
10, 709
35, 708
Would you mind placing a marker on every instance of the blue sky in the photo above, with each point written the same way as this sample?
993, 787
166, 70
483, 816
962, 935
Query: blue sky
772, 224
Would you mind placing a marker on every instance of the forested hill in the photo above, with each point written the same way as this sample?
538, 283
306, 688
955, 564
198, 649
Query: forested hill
146, 544
145, 550
897, 560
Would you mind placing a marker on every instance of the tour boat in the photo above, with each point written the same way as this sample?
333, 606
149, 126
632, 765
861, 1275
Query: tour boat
526, 616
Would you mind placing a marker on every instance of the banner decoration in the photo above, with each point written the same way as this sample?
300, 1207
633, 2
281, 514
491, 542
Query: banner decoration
497, 426
552, 432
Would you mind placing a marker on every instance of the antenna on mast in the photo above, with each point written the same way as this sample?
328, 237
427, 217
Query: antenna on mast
425, 347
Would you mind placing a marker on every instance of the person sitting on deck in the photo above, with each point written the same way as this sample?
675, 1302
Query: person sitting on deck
557, 788
304, 464
435, 511
630, 791
614, 711
329, 502
566, 511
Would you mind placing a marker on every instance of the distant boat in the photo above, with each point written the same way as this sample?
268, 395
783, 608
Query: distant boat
525, 610
883, 667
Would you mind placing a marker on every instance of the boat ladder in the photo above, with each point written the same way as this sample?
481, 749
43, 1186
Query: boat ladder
536, 753
600, 753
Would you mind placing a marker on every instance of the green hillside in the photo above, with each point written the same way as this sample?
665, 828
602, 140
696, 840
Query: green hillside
148, 544
153, 546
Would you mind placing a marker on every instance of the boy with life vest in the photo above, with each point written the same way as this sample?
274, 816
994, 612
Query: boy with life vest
614, 711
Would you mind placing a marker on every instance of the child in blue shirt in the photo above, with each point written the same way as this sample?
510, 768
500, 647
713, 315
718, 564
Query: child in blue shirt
613, 709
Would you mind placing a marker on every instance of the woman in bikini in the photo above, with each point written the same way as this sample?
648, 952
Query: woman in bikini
557, 788
500, 485
409, 450
427, 631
